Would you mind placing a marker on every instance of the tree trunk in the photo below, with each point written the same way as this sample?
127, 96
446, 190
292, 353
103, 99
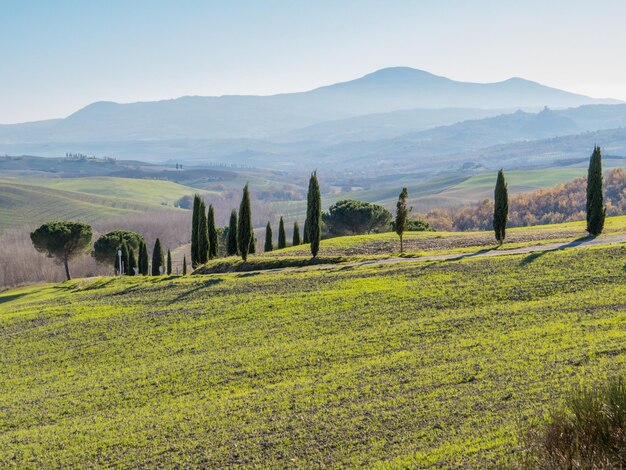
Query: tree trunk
401, 247
67, 269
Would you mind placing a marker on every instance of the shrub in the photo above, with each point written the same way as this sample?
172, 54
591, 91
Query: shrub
590, 432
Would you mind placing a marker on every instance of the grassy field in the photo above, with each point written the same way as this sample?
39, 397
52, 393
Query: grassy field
143, 191
25, 204
423, 364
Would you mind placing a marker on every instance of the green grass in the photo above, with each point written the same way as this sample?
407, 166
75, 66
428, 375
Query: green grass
145, 191
24, 204
420, 364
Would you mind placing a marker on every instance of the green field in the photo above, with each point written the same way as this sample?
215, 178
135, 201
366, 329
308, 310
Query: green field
25, 204
144, 191
419, 364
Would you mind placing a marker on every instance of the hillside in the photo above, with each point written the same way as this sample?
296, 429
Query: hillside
419, 364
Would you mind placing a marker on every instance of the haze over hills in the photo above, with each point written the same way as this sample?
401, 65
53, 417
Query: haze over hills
195, 117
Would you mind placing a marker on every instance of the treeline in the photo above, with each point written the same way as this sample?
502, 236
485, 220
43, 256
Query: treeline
562, 203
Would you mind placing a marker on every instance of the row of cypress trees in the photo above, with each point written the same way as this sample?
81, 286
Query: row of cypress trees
282, 236
240, 237
596, 210
160, 263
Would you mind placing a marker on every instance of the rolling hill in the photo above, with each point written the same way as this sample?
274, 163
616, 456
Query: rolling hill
429, 364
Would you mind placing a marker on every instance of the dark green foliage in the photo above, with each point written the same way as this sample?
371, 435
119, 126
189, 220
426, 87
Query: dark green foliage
587, 434
203, 236
282, 237
596, 211
169, 263
402, 215
157, 259
231, 248
132, 262
105, 248
245, 235
62, 241
313, 225
252, 244
195, 220
144, 263
184, 265
213, 244
501, 208
350, 217
296, 234
269, 245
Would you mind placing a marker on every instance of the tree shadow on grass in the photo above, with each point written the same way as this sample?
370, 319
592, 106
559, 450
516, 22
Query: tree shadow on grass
538, 254
203, 285
9, 298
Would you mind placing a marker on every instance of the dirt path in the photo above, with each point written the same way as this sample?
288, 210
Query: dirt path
574, 244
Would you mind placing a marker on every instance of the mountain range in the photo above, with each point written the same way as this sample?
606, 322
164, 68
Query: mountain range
390, 115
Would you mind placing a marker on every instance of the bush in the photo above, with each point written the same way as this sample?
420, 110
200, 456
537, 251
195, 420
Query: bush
590, 432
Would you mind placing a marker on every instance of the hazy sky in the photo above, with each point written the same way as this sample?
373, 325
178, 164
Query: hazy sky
57, 56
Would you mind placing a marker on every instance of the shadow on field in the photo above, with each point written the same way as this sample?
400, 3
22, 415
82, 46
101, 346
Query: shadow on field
9, 298
203, 285
471, 255
534, 256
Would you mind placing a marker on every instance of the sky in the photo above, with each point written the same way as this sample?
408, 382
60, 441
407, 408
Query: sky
59, 56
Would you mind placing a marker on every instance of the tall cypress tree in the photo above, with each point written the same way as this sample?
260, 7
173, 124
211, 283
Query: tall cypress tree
596, 211
144, 267
282, 237
252, 249
402, 215
195, 219
184, 265
314, 214
244, 229
269, 245
169, 263
213, 248
157, 258
231, 247
132, 262
501, 208
139, 258
203, 236
296, 234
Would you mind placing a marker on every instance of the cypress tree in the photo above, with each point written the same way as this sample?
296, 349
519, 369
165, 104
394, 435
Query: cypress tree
203, 236
501, 208
269, 245
194, 229
402, 214
296, 234
245, 236
169, 262
213, 248
140, 258
184, 265
314, 214
252, 244
282, 238
231, 248
305, 237
144, 267
596, 211
157, 258
132, 262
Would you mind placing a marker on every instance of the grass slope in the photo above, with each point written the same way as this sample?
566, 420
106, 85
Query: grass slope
25, 204
424, 364
144, 191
